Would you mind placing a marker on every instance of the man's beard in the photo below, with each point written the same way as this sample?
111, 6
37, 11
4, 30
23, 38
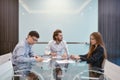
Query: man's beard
59, 40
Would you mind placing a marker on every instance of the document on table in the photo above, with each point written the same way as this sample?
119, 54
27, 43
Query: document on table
65, 61
46, 60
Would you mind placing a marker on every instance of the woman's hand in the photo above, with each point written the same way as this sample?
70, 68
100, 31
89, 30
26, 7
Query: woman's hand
75, 57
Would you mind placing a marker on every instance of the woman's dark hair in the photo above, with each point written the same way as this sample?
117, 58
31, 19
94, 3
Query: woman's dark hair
56, 32
34, 33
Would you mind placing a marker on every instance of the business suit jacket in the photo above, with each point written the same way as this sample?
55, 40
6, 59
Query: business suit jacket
96, 59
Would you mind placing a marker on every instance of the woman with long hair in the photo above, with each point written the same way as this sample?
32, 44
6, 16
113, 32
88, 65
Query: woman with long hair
96, 54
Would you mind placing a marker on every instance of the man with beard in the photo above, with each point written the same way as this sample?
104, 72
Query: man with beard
57, 48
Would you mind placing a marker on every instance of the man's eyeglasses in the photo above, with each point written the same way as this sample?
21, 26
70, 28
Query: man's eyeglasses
35, 39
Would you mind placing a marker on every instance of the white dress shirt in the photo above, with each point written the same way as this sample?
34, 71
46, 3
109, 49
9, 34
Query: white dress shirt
53, 47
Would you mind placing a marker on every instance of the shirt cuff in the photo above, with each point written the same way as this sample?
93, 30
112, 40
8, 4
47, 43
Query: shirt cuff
32, 59
47, 53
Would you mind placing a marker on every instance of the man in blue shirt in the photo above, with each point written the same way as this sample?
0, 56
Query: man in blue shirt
23, 57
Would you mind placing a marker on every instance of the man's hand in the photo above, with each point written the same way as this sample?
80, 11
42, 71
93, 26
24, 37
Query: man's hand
38, 58
64, 56
53, 54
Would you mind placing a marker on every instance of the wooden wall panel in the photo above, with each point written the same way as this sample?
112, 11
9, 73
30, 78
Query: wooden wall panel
109, 26
8, 25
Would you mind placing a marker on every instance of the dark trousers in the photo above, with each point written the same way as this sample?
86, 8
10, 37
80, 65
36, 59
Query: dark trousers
56, 73
30, 76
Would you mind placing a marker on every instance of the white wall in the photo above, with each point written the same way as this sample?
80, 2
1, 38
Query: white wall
76, 26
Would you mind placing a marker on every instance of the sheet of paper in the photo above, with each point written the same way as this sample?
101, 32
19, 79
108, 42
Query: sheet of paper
46, 60
65, 61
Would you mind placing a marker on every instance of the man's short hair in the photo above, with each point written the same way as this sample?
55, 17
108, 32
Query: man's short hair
34, 33
56, 32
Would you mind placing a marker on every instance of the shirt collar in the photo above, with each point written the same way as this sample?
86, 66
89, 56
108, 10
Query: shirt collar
55, 42
27, 44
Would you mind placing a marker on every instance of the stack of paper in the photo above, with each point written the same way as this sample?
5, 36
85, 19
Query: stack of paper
65, 61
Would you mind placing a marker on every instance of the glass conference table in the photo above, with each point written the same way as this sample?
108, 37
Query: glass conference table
57, 68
